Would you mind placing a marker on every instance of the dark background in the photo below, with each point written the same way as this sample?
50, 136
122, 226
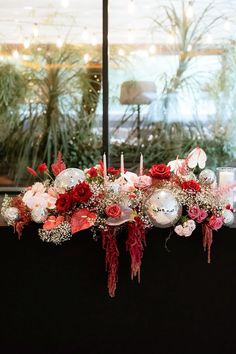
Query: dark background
54, 299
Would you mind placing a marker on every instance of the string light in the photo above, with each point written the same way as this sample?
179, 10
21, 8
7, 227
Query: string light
59, 42
209, 39
131, 7
130, 35
121, 52
86, 58
35, 30
94, 40
85, 34
152, 49
15, 54
64, 3
171, 38
26, 43
189, 12
189, 48
227, 25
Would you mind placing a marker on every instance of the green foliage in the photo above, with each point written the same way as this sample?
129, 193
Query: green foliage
162, 142
12, 87
51, 118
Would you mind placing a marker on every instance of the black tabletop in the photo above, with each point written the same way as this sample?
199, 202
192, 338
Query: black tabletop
54, 298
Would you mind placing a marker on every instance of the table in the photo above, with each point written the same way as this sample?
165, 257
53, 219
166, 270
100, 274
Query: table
54, 298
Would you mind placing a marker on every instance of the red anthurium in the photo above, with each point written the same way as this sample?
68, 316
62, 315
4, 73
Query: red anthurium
82, 219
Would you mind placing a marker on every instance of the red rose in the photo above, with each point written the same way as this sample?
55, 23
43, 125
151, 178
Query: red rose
64, 202
82, 192
113, 210
42, 167
92, 172
160, 171
32, 171
191, 186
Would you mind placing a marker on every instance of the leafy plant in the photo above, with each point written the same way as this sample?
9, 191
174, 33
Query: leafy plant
51, 118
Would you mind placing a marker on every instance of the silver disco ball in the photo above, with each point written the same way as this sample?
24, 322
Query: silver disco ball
207, 176
39, 215
163, 208
68, 179
11, 215
228, 217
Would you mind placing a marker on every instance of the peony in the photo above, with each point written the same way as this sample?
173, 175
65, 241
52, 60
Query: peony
194, 212
113, 210
64, 202
82, 192
191, 186
160, 171
215, 222
37, 197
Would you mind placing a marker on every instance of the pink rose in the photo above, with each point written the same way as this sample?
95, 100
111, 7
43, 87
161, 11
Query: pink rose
215, 222
143, 182
113, 210
202, 216
194, 212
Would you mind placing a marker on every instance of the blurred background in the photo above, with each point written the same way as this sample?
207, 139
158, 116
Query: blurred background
172, 82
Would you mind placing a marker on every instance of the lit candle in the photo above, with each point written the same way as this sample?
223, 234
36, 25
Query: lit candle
122, 167
141, 165
104, 167
226, 178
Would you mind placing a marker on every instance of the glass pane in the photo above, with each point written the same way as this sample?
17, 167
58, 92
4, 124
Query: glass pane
50, 84
172, 79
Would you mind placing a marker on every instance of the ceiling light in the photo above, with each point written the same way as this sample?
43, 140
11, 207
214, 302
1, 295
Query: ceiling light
64, 3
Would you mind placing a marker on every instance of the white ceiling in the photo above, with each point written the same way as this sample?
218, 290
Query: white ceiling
17, 18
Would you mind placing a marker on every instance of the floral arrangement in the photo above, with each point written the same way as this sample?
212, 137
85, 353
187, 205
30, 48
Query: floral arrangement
68, 200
